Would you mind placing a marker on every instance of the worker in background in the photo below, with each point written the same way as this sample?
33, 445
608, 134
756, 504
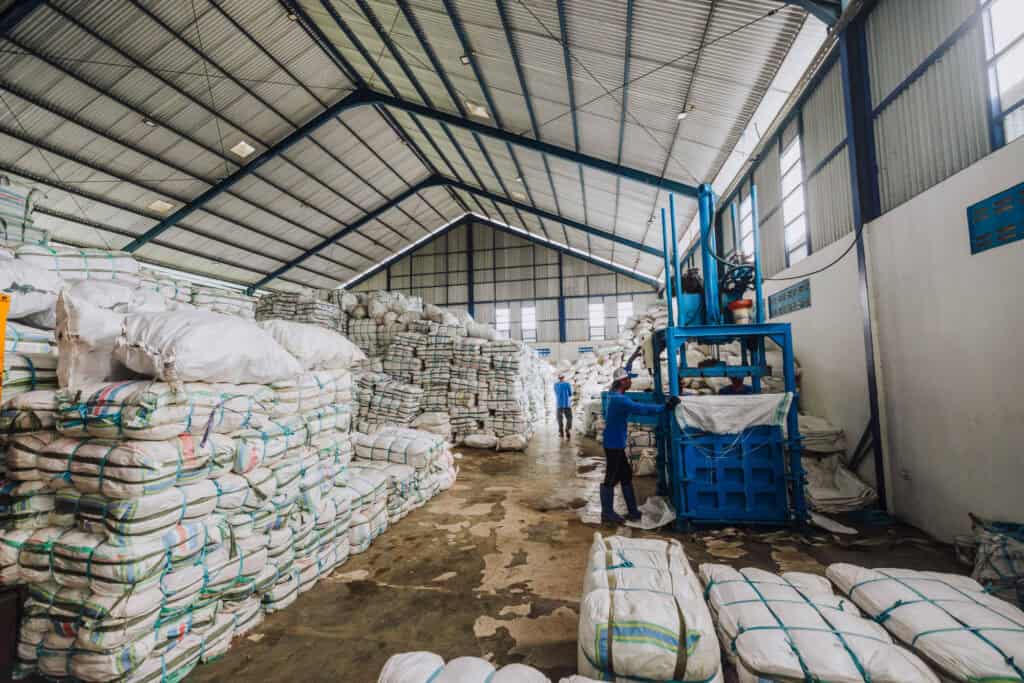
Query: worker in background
617, 470
736, 387
563, 402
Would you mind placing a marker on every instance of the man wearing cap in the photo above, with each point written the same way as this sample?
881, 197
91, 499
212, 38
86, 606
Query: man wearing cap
617, 470
563, 402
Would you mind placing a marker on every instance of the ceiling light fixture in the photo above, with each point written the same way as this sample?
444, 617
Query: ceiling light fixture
149, 122
686, 112
292, 16
243, 149
464, 59
478, 110
160, 206
519, 196
519, 178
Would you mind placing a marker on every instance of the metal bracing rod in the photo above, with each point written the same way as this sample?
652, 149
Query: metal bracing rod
467, 49
284, 68
184, 135
77, 120
555, 218
563, 29
828, 11
281, 66
215, 115
364, 98
106, 201
267, 105
93, 166
433, 181
625, 104
428, 49
407, 72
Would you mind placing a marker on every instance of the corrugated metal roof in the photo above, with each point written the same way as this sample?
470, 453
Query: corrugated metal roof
83, 81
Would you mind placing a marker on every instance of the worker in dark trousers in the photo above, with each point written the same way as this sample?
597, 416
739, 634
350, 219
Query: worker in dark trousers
735, 387
563, 402
617, 470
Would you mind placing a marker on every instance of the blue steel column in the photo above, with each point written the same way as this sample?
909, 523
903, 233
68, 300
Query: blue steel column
470, 302
668, 270
866, 201
387, 278
712, 307
758, 287
561, 302
675, 259
796, 470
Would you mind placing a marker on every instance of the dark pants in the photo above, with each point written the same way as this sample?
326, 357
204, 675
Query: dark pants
616, 467
564, 414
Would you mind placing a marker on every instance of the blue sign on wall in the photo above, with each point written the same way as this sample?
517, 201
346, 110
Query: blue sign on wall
586, 349
792, 298
997, 220
543, 352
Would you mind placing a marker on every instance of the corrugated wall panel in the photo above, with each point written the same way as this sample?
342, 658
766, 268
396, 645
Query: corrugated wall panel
768, 181
728, 241
939, 124
829, 202
772, 250
824, 119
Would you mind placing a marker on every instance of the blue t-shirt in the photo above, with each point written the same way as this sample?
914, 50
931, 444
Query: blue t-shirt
616, 417
563, 394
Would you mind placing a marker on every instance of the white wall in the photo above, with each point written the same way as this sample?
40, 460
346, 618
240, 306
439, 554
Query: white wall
949, 331
829, 343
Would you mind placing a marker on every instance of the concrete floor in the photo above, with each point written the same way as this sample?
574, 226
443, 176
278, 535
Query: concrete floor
493, 568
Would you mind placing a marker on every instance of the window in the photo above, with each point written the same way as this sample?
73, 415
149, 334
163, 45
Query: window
596, 317
747, 227
625, 311
794, 206
529, 323
1004, 34
502, 322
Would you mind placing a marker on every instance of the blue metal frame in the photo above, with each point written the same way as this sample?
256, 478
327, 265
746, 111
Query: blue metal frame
625, 103
470, 265
17, 13
828, 11
562, 335
866, 202
563, 31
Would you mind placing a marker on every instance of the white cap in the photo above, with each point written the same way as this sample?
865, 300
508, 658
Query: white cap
619, 374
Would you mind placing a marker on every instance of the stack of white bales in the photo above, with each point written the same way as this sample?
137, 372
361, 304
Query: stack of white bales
830, 486
642, 449
382, 401
17, 206
182, 509
507, 397
643, 615
227, 301
300, 307
470, 374
179, 291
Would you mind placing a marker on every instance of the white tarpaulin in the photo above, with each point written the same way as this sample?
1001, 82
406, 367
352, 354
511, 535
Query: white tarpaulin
794, 628
732, 414
966, 633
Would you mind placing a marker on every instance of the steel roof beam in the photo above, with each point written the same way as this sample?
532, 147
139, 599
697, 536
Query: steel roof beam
568, 251
432, 181
828, 11
364, 98
17, 13
555, 218
563, 31
625, 104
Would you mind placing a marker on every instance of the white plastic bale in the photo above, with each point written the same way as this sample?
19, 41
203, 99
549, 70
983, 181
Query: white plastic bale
426, 667
314, 346
36, 288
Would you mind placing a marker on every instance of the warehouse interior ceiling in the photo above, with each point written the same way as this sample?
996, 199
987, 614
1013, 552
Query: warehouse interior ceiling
287, 143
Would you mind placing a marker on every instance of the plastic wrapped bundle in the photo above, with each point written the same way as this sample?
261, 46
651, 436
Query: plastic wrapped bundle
167, 287
363, 334
650, 585
22, 338
29, 372
426, 667
793, 627
71, 263
224, 301
315, 348
37, 289
256, 447
31, 411
401, 446
26, 505
149, 410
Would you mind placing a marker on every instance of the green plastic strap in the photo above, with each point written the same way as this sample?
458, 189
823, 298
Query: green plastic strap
781, 626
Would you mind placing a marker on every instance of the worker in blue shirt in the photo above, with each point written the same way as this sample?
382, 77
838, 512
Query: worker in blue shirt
617, 470
563, 402
736, 387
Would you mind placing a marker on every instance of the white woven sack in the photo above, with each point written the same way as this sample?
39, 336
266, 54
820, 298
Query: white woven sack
948, 619
793, 627
193, 346
482, 441
85, 340
315, 347
32, 289
426, 667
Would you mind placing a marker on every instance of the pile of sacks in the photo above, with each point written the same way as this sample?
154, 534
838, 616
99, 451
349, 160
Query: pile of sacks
156, 519
471, 387
643, 615
642, 449
830, 486
224, 301
301, 307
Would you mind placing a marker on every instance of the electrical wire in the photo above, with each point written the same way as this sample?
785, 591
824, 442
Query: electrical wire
209, 86
859, 233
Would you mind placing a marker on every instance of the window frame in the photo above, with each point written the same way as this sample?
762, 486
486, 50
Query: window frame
745, 221
591, 327
796, 164
998, 112
528, 332
501, 329
618, 311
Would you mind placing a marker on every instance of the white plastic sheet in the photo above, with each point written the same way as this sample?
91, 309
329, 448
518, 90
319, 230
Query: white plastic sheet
732, 414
